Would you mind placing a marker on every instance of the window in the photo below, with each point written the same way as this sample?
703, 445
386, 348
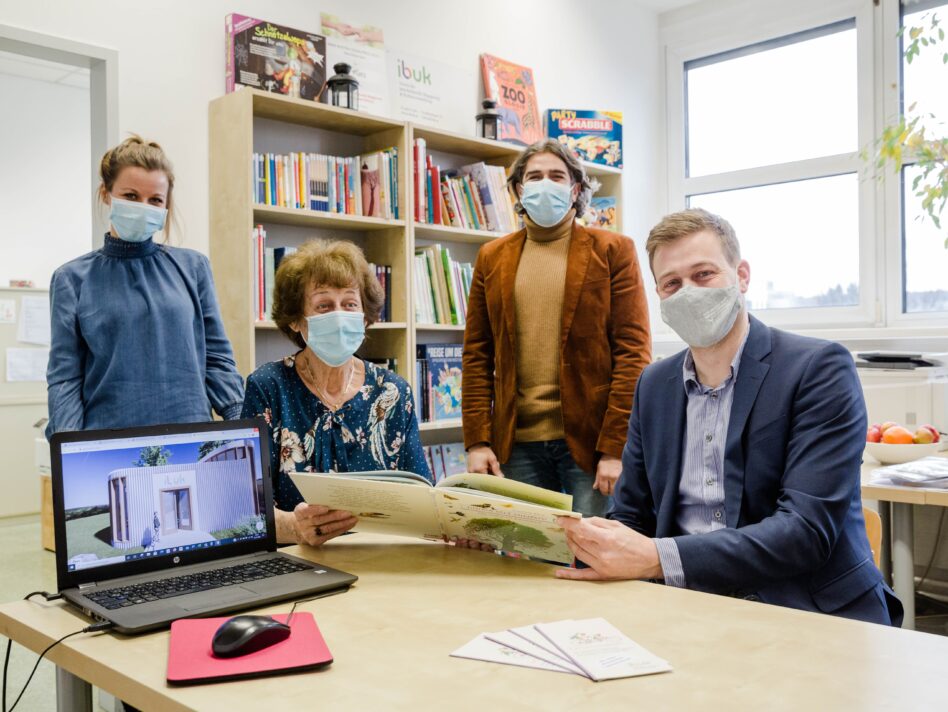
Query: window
924, 255
800, 238
784, 100
772, 135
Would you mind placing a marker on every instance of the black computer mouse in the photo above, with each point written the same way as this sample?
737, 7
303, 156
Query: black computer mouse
247, 634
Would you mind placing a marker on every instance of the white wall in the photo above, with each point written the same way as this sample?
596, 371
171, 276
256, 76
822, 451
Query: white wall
45, 189
602, 54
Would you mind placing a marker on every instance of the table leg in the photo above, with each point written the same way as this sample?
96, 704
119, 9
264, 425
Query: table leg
885, 556
72, 693
903, 559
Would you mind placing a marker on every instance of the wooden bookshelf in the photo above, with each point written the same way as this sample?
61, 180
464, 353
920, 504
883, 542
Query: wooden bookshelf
439, 327
438, 425
276, 215
448, 233
236, 131
244, 122
468, 149
379, 325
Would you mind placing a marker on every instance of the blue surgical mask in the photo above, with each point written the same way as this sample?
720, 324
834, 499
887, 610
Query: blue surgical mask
702, 316
546, 202
136, 222
335, 336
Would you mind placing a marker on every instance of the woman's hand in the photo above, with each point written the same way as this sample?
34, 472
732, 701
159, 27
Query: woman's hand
316, 524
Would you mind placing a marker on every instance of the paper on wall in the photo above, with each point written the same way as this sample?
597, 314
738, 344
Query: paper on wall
363, 50
7, 311
26, 364
426, 92
33, 327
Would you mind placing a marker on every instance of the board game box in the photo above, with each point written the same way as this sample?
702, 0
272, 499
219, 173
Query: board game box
274, 58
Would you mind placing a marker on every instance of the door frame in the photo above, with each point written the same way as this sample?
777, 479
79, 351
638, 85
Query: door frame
102, 64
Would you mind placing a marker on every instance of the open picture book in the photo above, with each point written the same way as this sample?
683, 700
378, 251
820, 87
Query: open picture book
510, 515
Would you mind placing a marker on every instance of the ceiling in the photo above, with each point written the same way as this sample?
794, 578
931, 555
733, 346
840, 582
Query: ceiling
661, 6
19, 65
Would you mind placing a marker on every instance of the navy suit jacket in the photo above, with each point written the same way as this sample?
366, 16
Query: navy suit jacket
795, 533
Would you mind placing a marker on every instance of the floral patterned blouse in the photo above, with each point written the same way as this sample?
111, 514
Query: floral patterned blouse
375, 430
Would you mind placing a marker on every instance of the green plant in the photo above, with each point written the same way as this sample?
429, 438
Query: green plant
914, 138
152, 456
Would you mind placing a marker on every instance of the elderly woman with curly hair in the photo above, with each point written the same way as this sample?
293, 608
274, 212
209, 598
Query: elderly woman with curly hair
327, 409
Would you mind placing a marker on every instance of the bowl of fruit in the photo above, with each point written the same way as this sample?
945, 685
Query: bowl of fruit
892, 444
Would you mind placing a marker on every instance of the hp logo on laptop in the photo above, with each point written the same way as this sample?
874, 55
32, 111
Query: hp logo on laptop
176, 560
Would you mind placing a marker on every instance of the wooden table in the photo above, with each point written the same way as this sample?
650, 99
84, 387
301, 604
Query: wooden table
415, 602
896, 509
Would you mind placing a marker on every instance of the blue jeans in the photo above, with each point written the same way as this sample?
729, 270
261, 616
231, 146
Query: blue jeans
548, 464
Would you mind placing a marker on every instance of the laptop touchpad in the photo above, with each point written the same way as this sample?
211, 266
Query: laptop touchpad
209, 599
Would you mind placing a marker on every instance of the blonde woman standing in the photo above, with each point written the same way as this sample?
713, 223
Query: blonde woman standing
137, 337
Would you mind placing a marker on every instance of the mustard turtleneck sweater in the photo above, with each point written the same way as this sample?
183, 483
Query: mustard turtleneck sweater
538, 308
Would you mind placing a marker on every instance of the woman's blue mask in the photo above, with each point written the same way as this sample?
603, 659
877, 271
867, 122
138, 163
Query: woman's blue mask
335, 336
136, 222
546, 202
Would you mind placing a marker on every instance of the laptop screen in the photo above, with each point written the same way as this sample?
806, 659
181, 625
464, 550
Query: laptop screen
154, 496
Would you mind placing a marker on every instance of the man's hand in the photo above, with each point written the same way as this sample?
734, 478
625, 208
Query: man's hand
317, 524
612, 550
480, 458
607, 474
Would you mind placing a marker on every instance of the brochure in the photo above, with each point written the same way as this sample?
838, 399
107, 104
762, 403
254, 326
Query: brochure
592, 648
601, 650
482, 648
510, 639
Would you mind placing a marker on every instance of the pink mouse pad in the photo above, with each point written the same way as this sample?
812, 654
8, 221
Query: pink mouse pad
191, 661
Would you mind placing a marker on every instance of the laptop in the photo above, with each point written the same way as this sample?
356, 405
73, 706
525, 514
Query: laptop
158, 523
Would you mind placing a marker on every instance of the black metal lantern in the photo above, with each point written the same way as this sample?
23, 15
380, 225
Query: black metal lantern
488, 121
343, 87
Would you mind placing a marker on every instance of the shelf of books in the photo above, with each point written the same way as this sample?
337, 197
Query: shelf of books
460, 202
419, 201
284, 171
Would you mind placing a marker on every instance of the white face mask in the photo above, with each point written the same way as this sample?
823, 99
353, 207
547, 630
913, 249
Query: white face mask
702, 316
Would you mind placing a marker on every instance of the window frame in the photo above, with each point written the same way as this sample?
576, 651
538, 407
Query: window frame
689, 36
891, 188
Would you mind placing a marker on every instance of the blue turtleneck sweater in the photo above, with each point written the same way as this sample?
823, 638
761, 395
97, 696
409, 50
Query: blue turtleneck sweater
137, 339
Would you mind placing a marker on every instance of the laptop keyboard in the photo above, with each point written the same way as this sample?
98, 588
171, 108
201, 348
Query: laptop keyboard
149, 591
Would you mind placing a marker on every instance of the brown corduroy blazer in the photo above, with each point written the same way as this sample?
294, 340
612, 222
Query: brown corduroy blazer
605, 343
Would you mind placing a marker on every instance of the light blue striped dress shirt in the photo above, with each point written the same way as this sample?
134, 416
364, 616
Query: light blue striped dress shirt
700, 505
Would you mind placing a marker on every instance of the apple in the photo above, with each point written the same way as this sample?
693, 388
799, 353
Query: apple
897, 435
936, 436
874, 434
923, 436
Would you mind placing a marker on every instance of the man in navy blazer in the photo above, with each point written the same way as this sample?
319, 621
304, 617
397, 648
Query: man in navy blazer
740, 474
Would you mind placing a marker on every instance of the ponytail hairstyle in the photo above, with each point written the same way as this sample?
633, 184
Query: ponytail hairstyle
136, 152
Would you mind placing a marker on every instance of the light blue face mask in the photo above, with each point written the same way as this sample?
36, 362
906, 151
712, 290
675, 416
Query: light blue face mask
136, 222
335, 336
546, 202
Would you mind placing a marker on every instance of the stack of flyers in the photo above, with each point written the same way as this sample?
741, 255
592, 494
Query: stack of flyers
927, 472
592, 648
